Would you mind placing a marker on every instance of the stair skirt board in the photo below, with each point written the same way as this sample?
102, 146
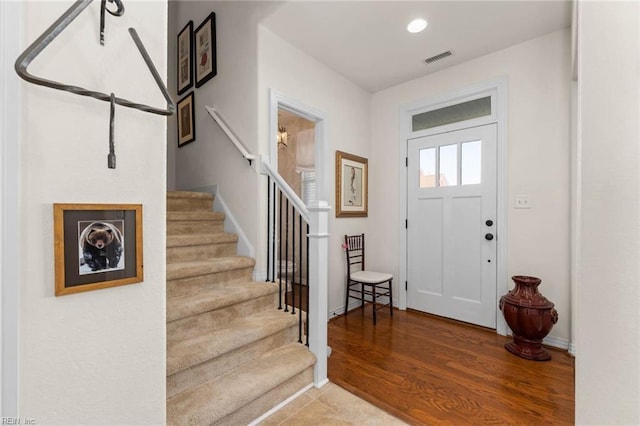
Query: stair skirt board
245, 248
231, 354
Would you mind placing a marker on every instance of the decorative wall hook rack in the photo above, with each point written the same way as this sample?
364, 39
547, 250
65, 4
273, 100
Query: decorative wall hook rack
55, 29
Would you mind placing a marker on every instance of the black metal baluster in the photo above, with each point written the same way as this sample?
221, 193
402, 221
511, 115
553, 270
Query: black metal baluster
293, 261
280, 254
286, 251
268, 223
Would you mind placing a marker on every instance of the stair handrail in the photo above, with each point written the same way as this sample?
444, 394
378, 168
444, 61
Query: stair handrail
234, 139
316, 216
286, 189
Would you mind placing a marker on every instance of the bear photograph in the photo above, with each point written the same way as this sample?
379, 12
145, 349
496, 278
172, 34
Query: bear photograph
100, 246
96, 246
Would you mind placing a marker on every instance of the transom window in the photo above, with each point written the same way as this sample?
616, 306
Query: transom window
452, 114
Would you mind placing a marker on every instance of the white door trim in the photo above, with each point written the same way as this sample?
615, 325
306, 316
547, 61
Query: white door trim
10, 101
497, 89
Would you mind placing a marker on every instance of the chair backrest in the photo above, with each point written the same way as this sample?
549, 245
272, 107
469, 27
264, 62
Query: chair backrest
354, 249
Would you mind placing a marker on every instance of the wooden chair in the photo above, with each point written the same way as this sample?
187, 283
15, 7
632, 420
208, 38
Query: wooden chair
366, 285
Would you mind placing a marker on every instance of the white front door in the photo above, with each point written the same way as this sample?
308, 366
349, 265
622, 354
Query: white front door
451, 231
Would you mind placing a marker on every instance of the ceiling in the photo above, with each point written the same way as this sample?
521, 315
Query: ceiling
367, 41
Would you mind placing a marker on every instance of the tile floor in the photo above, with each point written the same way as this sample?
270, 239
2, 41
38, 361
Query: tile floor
330, 405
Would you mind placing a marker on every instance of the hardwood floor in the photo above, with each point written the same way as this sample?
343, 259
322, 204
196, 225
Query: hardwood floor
428, 370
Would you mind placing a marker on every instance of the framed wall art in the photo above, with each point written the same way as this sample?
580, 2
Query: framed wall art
351, 185
205, 46
185, 58
186, 120
96, 246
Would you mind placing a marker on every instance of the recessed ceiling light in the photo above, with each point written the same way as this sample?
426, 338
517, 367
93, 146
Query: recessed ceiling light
417, 25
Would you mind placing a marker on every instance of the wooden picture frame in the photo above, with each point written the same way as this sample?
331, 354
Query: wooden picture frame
352, 196
206, 58
186, 120
185, 58
96, 246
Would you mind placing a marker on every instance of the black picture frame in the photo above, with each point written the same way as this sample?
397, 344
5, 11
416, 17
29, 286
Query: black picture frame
84, 262
206, 60
184, 58
186, 120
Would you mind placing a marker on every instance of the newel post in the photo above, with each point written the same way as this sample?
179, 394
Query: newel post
318, 288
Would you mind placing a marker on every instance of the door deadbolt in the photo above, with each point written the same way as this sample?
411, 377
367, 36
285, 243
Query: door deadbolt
488, 237
489, 222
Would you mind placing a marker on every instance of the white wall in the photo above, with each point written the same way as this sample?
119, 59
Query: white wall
95, 357
10, 14
608, 340
538, 145
346, 107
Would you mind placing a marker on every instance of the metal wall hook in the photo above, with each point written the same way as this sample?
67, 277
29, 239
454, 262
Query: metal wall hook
55, 29
111, 158
118, 12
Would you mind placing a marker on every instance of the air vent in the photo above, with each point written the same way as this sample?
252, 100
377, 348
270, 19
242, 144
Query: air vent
438, 57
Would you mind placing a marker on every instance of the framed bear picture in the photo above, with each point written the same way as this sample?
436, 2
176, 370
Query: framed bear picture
96, 246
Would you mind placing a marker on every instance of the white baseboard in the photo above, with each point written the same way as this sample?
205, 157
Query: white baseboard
340, 310
259, 275
556, 342
282, 404
352, 305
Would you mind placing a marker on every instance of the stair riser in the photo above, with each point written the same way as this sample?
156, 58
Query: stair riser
266, 402
204, 252
193, 285
194, 227
183, 328
189, 204
198, 374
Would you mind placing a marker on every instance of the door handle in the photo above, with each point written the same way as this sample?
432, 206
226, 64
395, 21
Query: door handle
488, 237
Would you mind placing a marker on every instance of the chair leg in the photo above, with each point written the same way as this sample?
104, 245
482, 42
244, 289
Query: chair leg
390, 299
346, 302
375, 304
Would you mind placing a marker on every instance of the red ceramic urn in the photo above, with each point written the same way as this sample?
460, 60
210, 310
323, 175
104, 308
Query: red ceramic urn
530, 316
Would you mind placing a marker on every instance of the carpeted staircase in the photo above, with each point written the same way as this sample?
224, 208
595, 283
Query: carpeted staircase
231, 354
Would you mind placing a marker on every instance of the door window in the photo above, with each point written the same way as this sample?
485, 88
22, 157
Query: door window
471, 163
442, 170
427, 168
449, 165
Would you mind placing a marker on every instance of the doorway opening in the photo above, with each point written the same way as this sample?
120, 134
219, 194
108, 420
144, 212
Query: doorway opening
305, 124
296, 153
